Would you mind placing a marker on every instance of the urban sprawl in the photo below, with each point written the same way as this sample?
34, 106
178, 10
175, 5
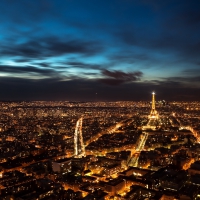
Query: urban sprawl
100, 150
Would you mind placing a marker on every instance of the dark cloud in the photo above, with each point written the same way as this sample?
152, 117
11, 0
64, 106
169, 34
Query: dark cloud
176, 82
165, 43
85, 90
31, 49
191, 71
131, 76
44, 64
41, 48
117, 77
21, 60
27, 70
133, 58
175, 34
90, 74
130, 57
114, 82
76, 64
58, 47
188, 78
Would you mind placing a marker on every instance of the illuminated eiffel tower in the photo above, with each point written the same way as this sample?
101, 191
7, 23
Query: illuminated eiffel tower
153, 113
154, 121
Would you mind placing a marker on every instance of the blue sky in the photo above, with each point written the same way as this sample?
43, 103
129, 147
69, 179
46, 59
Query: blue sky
119, 49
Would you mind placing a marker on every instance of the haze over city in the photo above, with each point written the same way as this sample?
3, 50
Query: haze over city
96, 50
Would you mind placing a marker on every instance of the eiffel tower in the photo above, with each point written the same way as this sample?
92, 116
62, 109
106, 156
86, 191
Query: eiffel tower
153, 113
154, 121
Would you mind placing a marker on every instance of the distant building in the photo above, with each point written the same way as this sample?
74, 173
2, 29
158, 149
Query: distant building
194, 168
63, 165
115, 186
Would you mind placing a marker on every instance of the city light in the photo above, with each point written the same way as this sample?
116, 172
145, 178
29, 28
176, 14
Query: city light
107, 151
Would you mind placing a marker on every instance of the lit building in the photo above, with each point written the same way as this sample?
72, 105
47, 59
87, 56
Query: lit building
114, 187
153, 122
79, 148
61, 166
153, 113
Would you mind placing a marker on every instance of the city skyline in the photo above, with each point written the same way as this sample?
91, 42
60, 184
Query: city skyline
99, 50
99, 150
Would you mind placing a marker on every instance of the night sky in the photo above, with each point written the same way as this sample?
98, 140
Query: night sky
99, 50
